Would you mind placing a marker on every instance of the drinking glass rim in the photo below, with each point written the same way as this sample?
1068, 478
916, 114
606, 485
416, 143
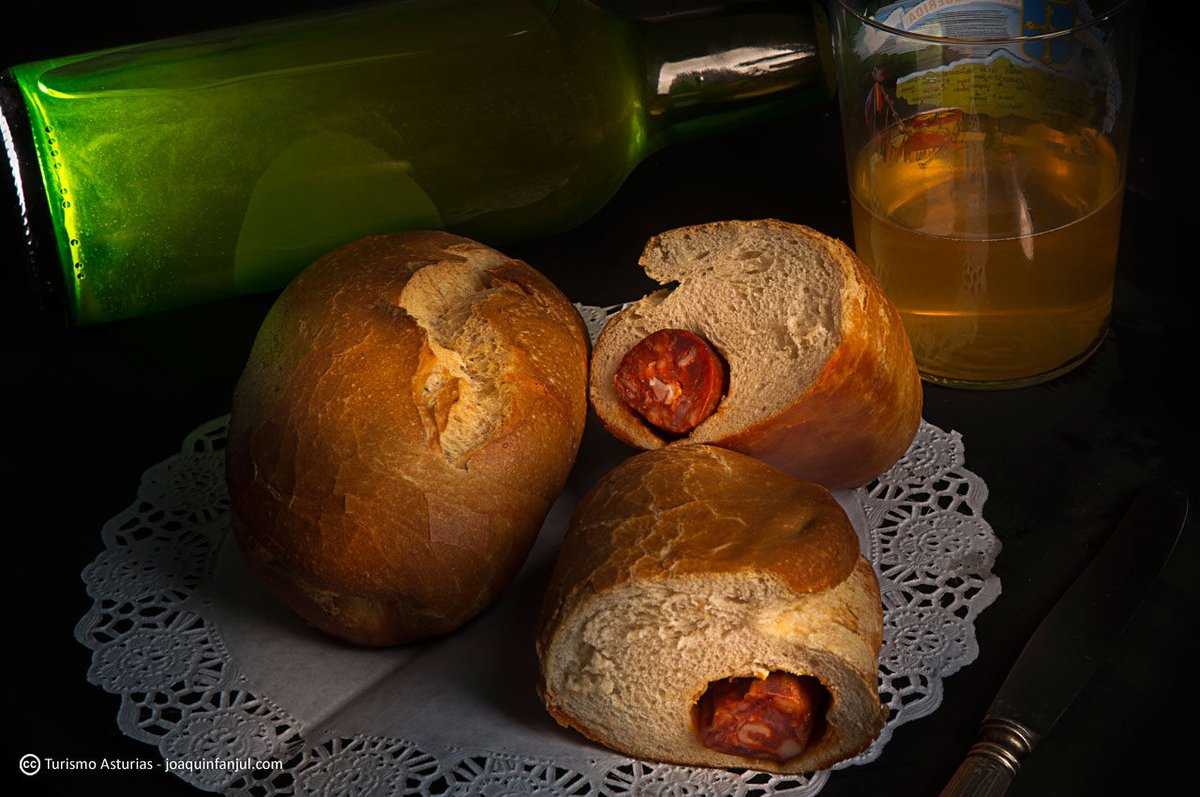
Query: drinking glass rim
1116, 9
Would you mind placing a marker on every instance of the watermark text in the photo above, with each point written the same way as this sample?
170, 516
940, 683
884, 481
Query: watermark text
31, 764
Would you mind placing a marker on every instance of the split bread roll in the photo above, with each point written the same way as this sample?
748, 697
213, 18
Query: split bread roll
689, 566
821, 378
410, 410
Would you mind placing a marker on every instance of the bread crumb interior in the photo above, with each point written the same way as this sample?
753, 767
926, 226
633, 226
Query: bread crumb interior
457, 384
767, 300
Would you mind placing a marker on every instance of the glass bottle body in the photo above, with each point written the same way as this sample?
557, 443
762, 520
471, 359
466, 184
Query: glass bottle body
223, 163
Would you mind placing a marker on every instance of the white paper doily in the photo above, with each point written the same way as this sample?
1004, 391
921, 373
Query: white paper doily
230, 686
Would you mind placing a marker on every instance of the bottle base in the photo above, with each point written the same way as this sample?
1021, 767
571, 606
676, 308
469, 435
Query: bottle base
43, 294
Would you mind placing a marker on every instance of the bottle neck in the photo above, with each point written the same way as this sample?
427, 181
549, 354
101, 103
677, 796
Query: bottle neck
710, 71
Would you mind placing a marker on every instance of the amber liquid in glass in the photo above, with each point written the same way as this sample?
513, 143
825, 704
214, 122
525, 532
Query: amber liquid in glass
996, 240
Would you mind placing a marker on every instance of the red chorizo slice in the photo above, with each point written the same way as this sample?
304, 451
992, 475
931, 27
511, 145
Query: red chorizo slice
772, 718
673, 378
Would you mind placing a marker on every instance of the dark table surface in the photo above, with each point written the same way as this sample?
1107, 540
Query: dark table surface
88, 410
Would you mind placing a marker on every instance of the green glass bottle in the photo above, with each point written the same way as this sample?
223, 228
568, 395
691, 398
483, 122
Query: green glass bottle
195, 168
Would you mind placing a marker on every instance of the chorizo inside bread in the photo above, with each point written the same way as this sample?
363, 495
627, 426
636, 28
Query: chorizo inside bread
410, 410
709, 610
821, 378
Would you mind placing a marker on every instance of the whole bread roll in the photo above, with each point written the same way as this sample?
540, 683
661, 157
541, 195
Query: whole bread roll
691, 565
410, 410
821, 378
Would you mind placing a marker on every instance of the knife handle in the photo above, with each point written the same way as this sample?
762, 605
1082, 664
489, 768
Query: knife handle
993, 761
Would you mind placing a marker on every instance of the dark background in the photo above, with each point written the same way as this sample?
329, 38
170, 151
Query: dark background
88, 410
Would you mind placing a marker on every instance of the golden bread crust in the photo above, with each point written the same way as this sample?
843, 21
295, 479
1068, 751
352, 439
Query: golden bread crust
690, 564
843, 427
410, 409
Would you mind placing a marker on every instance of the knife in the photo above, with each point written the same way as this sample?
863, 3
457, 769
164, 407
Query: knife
1067, 647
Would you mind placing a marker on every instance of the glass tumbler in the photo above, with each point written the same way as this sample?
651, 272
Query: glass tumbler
986, 145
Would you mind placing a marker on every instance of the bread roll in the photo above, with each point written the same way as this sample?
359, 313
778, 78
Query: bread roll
821, 378
690, 565
410, 410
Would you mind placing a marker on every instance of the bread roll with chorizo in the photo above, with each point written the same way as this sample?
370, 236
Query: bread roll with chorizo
410, 410
709, 610
773, 340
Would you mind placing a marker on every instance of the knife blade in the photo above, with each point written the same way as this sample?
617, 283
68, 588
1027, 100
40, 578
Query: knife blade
1068, 646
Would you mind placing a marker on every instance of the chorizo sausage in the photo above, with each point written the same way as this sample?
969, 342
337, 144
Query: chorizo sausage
770, 718
673, 378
